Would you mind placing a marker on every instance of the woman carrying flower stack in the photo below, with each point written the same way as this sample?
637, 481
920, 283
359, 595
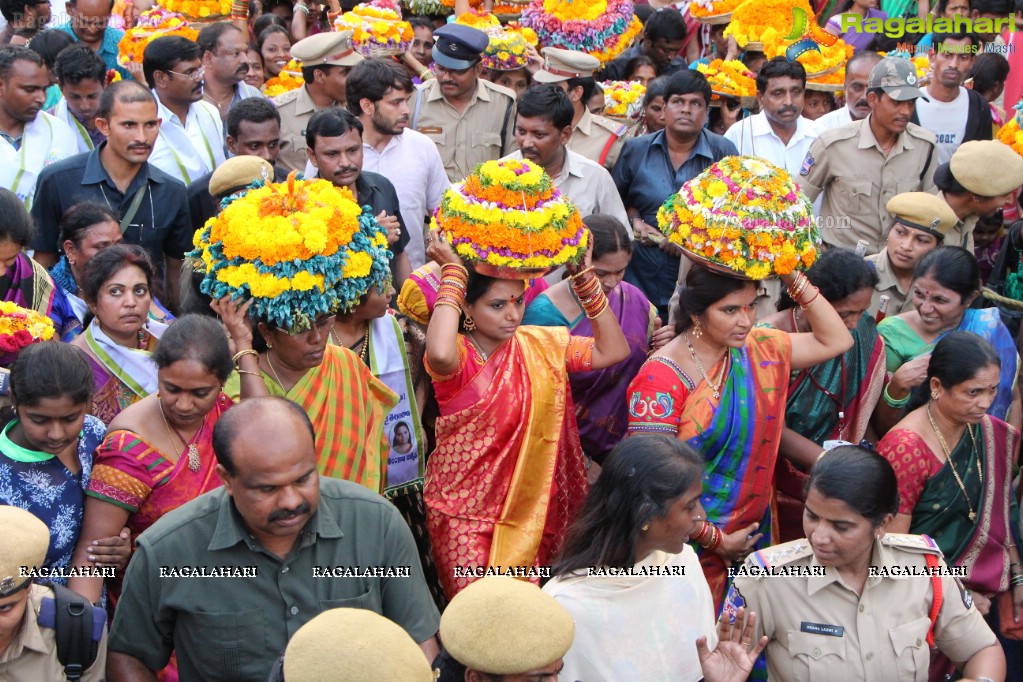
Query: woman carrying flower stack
301, 251
508, 472
720, 384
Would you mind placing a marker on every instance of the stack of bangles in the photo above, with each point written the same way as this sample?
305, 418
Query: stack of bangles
708, 537
800, 286
240, 10
1016, 576
238, 358
591, 296
425, 74
453, 279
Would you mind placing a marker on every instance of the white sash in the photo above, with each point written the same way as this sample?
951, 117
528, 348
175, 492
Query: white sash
42, 143
62, 113
135, 368
389, 363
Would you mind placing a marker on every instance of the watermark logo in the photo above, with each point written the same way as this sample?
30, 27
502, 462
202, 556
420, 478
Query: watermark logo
808, 34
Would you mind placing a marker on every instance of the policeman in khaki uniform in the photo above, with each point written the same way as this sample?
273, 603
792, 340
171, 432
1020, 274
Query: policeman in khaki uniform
859, 167
853, 602
921, 223
28, 647
328, 51
471, 120
595, 137
979, 180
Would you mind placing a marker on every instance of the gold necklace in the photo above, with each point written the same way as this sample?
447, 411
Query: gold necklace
363, 352
193, 449
951, 464
475, 345
274, 371
699, 366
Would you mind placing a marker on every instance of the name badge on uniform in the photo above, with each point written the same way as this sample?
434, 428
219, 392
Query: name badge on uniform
822, 629
427, 130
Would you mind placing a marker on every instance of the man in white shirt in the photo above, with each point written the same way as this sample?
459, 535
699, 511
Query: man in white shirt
30, 139
191, 139
950, 111
378, 93
223, 57
779, 133
857, 71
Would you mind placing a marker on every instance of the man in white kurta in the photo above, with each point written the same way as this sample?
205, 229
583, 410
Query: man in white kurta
30, 139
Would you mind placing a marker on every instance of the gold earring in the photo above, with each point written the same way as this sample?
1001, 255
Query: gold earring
269, 345
697, 331
646, 527
469, 324
934, 395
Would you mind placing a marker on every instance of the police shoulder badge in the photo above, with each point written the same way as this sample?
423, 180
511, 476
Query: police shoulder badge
807, 164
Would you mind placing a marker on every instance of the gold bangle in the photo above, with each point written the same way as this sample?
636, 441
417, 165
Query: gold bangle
242, 353
580, 274
245, 371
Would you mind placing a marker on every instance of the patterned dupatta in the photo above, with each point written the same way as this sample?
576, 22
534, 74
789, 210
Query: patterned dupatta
738, 436
942, 512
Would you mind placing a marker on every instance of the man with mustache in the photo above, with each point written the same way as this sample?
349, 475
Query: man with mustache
779, 133
859, 167
469, 119
223, 56
152, 205
191, 139
543, 124
378, 93
953, 113
857, 71
277, 534
30, 139
327, 59
335, 148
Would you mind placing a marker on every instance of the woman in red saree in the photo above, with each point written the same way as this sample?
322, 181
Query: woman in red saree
508, 472
954, 464
158, 452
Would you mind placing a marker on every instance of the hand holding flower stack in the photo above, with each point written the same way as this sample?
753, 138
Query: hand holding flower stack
742, 216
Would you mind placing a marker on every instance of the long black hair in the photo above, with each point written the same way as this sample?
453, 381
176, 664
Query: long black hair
642, 477
199, 338
49, 370
953, 267
838, 273
955, 359
703, 289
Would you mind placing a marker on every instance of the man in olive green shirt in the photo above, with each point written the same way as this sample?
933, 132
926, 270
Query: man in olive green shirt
226, 579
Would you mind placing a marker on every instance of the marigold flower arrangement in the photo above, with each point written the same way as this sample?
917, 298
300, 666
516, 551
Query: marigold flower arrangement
478, 19
730, 78
752, 18
506, 51
712, 8
509, 215
21, 327
152, 24
833, 78
290, 78
623, 99
377, 28
1011, 133
198, 9
602, 28
743, 214
300, 249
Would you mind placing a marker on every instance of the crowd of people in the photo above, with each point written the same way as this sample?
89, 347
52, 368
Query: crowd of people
633, 467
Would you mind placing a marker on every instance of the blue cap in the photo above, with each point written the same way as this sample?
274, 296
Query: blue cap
458, 47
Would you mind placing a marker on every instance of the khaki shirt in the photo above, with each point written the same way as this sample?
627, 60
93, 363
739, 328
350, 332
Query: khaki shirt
591, 135
857, 179
484, 131
961, 233
296, 107
32, 654
887, 283
820, 629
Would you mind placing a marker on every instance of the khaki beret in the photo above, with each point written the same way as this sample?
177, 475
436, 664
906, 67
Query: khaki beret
354, 645
239, 172
923, 211
503, 626
987, 167
333, 48
25, 542
562, 65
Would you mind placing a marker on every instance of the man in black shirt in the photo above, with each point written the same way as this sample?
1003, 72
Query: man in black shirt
334, 145
152, 205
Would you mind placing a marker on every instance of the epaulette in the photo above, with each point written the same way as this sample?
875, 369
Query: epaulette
619, 129
917, 544
285, 98
921, 133
832, 135
779, 555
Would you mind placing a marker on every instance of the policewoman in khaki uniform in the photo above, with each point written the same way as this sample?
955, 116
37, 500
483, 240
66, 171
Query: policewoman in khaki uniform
830, 619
